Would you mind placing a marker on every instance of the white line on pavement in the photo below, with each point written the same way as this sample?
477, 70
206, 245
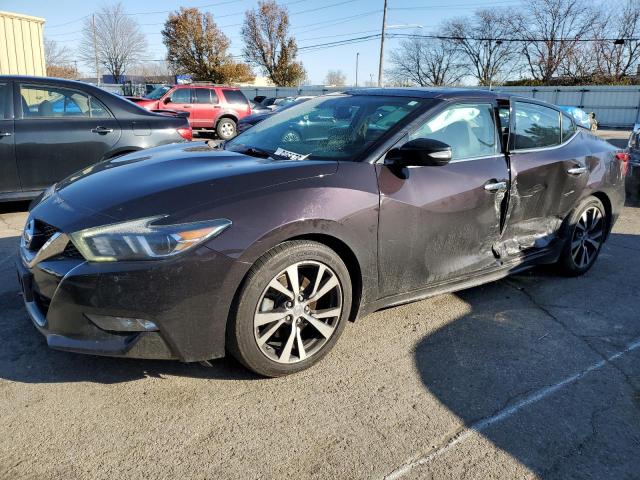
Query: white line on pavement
507, 412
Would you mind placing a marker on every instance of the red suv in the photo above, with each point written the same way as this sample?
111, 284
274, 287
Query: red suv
209, 107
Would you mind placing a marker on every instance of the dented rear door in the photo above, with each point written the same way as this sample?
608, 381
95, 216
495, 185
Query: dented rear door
549, 170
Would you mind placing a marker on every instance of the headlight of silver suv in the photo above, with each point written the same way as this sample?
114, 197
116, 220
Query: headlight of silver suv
142, 240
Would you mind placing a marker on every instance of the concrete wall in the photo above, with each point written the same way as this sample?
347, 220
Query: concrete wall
21, 45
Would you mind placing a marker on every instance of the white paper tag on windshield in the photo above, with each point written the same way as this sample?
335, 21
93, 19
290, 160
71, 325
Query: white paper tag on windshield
281, 152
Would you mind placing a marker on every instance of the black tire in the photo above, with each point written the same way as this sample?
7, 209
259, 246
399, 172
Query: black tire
226, 129
242, 332
573, 260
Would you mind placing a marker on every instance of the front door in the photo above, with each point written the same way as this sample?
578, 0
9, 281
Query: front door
438, 223
179, 100
59, 131
9, 181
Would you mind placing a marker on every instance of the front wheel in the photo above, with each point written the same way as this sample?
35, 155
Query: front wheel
291, 310
226, 129
586, 233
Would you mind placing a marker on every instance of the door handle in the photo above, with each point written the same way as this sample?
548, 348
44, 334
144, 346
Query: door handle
577, 170
495, 186
5, 134
186, 106
102, 130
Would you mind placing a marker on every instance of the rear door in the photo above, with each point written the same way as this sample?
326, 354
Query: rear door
440, 223
549, 170
9, 181
58, 131
205, 108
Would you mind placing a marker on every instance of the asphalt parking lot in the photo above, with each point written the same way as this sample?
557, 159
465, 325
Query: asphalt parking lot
535, 376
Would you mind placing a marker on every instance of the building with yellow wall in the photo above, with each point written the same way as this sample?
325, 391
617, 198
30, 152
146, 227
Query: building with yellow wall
21, 45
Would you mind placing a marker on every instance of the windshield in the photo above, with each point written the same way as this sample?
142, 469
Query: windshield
157, 92
339, 127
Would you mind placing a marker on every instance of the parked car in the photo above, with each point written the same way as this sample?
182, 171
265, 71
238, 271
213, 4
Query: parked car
210, 107
51, 128
268, 247
633, 177
582, 118
258, 116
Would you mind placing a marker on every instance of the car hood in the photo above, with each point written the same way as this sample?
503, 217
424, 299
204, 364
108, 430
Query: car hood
257, 117
166, 180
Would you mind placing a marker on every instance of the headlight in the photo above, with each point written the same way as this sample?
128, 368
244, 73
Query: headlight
142, 240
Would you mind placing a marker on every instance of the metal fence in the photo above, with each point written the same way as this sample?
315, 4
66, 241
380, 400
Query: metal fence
617, 107
614, 106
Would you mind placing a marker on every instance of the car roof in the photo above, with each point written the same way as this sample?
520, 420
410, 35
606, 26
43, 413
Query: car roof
431, 92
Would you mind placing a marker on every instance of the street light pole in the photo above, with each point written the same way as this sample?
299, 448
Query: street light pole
357, 58
384, 28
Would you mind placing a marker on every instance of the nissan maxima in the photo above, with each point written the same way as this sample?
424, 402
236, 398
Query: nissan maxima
267, 246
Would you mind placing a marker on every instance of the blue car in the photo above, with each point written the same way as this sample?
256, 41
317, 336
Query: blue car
582, 118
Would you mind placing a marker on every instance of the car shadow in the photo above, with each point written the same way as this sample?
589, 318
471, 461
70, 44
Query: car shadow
13, 207
525, 336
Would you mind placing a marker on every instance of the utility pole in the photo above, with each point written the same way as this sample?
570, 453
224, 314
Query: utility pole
357, 58
95, 46
384, 28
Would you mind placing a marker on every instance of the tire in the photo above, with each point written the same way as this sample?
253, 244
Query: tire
586, 231
226, 129
272, 334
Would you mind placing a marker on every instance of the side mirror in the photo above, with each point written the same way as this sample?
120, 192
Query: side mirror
166, 100
422, 152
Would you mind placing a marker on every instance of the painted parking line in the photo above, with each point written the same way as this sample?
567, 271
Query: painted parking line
507, 412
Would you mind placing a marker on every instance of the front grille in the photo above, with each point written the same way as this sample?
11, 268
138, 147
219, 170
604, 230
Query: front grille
42, 232
71, 251
42, 302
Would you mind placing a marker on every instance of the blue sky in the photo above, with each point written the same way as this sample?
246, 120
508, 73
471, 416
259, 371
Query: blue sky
312, 22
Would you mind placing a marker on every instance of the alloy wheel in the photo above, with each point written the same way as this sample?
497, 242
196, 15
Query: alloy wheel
227, 130
587, 238
298, 312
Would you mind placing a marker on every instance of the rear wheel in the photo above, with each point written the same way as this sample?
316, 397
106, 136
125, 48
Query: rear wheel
291, 310
586, 234
226, 129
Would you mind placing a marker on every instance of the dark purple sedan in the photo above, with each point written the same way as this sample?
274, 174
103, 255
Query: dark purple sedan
268, 246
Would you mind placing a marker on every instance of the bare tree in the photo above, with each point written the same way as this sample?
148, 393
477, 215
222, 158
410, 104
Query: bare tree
267, 43
58, 60
196, 45
620, 58
114, 38
551, 30
55, 54
479, 40
425, 62
335, 77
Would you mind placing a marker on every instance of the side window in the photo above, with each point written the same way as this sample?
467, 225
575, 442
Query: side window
181, 95
201, 95
469, 129
568, 127
536, 126
51, 102
5, 98
235, 97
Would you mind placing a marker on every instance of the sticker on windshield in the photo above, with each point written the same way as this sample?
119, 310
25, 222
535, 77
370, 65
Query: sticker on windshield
281, 152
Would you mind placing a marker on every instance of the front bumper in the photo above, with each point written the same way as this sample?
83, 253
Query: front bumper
188, 298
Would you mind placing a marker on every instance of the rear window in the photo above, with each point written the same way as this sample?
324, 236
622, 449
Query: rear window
235, 97
568, 127
536, 126
201, 95
5, 97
